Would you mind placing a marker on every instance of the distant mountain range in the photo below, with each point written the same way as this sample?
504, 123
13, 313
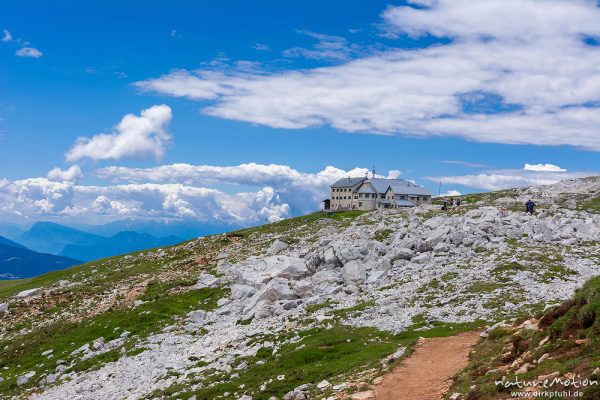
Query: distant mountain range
158, 228
49, 237
11, 231
122, 242
17, 261
46, 246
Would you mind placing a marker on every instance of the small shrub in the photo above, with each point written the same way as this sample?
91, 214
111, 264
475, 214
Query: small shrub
586, 316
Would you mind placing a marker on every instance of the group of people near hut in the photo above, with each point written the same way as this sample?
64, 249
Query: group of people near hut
529, 206
452, 202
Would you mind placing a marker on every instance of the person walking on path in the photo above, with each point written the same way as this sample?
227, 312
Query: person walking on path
529, 207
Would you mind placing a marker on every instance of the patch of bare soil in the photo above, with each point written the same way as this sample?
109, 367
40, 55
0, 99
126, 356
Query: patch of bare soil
428, 372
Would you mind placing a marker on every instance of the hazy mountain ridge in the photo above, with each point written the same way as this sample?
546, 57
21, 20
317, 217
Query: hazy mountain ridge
9, 243
338, 297
50, 237
53, 238
121, 243
17, 261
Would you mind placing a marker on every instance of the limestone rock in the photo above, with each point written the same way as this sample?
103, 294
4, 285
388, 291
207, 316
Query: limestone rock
324, 385
242, 291
277, 247
401, 254
23, 379
327, 276
207, 280
368, 395
353, 273
28, 293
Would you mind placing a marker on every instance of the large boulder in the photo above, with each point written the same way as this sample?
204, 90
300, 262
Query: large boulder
382, 264
275, 290
421, 258
327, 276
330, 258
28, 293
403, 253
207, 280
3, 307
378, 278
286, 267
258, 271
242, 291
354, 273
277, 247
197, 316
437, 236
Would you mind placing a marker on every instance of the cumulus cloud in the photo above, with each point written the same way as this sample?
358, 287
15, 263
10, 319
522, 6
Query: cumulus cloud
34, 196
135, 136
302, 192
41, 198
7, 36
31, 52
180, 191
450, 193
516, 71
71, 174
543, 167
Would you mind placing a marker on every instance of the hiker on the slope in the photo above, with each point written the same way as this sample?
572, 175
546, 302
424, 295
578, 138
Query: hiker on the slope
529, 207
444, 204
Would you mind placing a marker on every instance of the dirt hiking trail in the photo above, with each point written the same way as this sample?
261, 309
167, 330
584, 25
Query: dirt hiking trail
427, 373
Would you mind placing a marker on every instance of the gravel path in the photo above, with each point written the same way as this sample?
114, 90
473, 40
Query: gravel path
427, 373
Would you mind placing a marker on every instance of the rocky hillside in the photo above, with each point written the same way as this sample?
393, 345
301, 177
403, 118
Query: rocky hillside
311, 307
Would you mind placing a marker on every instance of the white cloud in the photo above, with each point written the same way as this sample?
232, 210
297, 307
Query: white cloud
254, 193
40, 198
104, 205
450, 193
7, 36
71, 174
505, 179
261, 47
302, 192
394, 174
527, 56
34, 196
467, 164
31, 52
135, 136
543, 167
328, 47
518, 20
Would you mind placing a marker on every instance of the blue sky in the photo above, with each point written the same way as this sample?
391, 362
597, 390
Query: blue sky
272, 85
